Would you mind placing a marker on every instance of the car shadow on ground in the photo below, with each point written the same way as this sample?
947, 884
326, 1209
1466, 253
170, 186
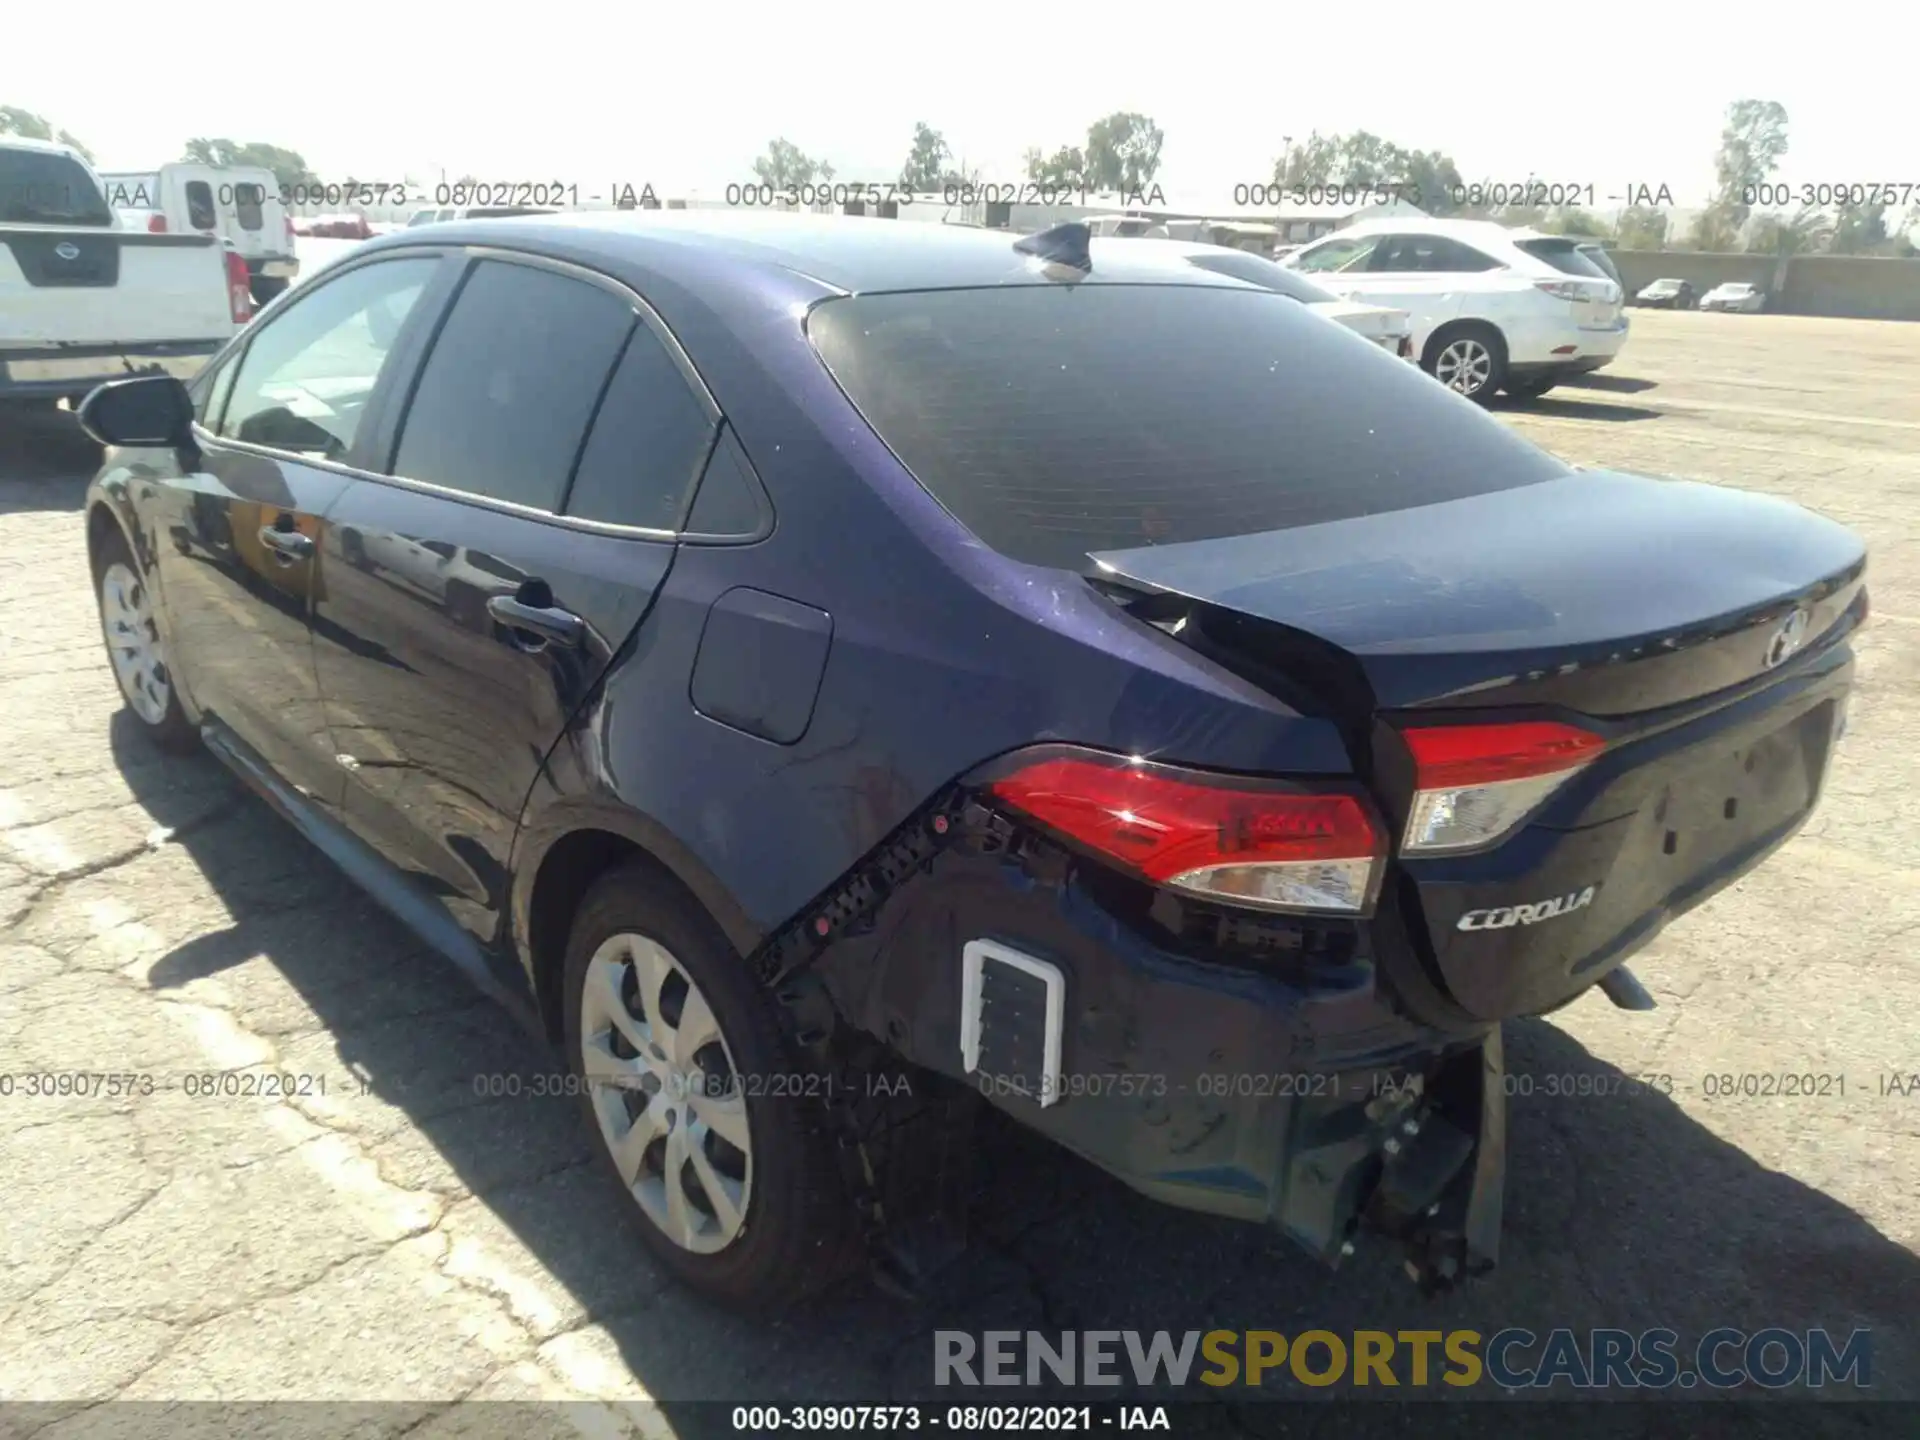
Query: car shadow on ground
1618, 384
1554, 407
1622, 1210
41, 451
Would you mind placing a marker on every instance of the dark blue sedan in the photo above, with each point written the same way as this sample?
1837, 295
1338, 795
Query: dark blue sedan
824, 672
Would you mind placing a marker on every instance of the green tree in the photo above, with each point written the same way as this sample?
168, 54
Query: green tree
1858, 229
289, 167
926, 161
1751, 144
1801, 234
1641, 227
1123, 152
786, 165
1065, 169
29, 126
1427, 178
1716, 228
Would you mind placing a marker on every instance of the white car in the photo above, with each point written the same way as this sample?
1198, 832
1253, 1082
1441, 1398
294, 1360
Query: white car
239, 203
1736, 295
1387, 327
84, 299
1493, 308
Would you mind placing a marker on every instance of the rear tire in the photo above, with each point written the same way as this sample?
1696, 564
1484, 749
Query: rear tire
1529, 389
677, 1049
135, 649
266, 287
1469, 358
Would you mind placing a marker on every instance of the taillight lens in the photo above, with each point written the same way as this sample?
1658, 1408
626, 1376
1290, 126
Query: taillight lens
1241, 842
239, 289
156, 224
1475, 783
1564, 289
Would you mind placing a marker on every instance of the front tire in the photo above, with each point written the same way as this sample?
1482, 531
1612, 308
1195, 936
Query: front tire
1470, 360
135, 649
695, 1103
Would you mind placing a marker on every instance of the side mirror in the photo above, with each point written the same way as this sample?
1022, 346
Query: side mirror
148, 410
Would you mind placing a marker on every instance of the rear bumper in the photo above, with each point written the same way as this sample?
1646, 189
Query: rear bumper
1276, 1083
71, 371
1545, 346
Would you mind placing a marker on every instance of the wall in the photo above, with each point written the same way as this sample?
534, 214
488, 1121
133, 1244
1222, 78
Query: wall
1845, 285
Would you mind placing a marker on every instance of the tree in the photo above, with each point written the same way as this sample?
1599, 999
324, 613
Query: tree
926, 167
1123, 152
1641, 227
1751, 144
29, 126
1426, 178
289, 167
1572, 220
786, 166
1858, 229
1716, 228
1802, 234
1065, 169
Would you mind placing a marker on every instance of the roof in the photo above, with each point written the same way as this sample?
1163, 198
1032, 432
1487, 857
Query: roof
846, 253
51, 147
1480, 230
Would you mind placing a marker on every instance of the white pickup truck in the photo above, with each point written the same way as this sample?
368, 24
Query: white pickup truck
84, 299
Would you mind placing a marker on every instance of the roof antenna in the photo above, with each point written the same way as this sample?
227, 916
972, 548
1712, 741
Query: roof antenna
1066, 244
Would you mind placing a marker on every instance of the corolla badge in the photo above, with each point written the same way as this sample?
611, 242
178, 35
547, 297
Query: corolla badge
1503, 916
67, 250
1791, 635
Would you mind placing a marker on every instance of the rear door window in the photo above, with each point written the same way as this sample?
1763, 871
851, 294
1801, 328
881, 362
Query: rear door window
503, 403
650, 437
1429, 254
45, 187
200, 211
247, 200
1258, 270
1055, 421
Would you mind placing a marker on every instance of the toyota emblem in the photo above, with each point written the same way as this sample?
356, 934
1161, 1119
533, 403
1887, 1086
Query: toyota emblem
67, 250
1791, 635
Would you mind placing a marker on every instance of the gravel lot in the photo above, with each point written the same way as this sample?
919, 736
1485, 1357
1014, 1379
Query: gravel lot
401, 1237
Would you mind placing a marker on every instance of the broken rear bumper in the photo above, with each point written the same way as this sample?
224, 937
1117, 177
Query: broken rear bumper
1252, 1068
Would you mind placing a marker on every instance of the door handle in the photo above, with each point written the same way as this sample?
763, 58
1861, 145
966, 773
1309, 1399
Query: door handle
289, 545
562, 627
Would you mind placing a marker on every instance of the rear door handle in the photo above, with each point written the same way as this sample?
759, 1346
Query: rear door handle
562, 627
288, 544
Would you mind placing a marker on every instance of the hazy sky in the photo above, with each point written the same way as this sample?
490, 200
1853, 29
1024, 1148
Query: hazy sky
1610, 94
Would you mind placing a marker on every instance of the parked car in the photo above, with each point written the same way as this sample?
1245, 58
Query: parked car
238, 203
1735, 295
335, 227
1388, 328
83, 299
1666, 295
1493, 308
473, 212
929, 667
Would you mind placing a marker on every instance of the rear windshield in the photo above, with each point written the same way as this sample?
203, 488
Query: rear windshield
1565, 256
44, 187
1053, 421
247, 199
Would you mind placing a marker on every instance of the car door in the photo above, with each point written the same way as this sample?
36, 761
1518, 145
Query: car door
474, 597
239, 565
1425, 276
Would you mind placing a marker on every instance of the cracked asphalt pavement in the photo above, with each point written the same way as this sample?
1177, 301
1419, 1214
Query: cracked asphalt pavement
404, 1236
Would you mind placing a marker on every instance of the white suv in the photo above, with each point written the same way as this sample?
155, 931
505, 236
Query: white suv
1493, 308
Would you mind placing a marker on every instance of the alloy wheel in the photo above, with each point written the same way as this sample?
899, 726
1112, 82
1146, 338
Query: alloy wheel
133, 642
669, 1102
1464, 366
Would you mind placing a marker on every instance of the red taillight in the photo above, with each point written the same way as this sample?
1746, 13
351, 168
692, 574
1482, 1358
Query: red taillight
1450, 755
239, 289
156, 224
1475, 783
1239, 841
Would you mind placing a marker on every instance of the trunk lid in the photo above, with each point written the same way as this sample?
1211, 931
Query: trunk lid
1606, 593
1695, 629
